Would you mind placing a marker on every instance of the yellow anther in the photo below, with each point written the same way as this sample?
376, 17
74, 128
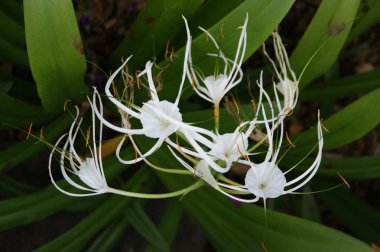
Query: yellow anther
29, 130
254, 104
136, 153
65, 104
138, 81
171, 54
114, 89
41, 138
288, 139
242, 154
88, 135
324, 127
264, 247
167, 49
344, 180
193, 82
236, 104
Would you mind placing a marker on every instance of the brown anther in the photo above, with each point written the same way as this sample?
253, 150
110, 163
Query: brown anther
41, 138
254, 104
114, 89
206, 35
236, 104
288, 139
29, 130
65, 104
167, 49
171, 54
136, 153
88, 135
344, 180
264, 247
193, 82
241, 153
324, 127
289, 111
137, 81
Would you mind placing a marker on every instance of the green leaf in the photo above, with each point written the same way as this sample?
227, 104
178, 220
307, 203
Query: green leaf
232, 228
328, 32
342, 87
142, 223
362, 219
36, 206
155, 26
14, 10
351, 168
11, 31
17, 113
13, 54
114, 233
90, 226
349, 124
24, 150
366, 21
169, 223
55, 52
264, 16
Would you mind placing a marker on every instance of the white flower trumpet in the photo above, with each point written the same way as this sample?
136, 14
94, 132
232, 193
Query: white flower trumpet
88, 170
287, 81
215, 87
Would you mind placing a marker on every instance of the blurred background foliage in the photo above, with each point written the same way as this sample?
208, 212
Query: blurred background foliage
54, 51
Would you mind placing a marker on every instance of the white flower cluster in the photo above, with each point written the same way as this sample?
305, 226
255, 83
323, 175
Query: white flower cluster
205, 153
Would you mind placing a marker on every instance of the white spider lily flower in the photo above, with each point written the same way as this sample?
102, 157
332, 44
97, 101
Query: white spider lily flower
159, 119
215, 87
153, 124
287, 81
266, 180
88, 170
203, 171
230, 147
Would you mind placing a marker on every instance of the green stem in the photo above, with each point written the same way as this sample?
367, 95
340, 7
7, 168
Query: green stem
186, 190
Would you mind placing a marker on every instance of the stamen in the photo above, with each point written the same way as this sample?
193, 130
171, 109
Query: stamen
241, 153
138, 80
167, 49
236, 104
65, 104
88, 135
29, 131
192, 82
288, 139
206, 33
264, 247
136, 153
41, 138
114, 89
324, 127
288, 111
254, 104
344, 180
171, 54
194, 168
178, 146
222, 31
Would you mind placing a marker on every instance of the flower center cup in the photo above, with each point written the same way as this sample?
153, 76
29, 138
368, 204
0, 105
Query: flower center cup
265, 180
154, 124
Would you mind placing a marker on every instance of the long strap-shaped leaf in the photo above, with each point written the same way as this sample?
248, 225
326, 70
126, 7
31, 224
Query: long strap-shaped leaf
331, 23
55, 51
232, 228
